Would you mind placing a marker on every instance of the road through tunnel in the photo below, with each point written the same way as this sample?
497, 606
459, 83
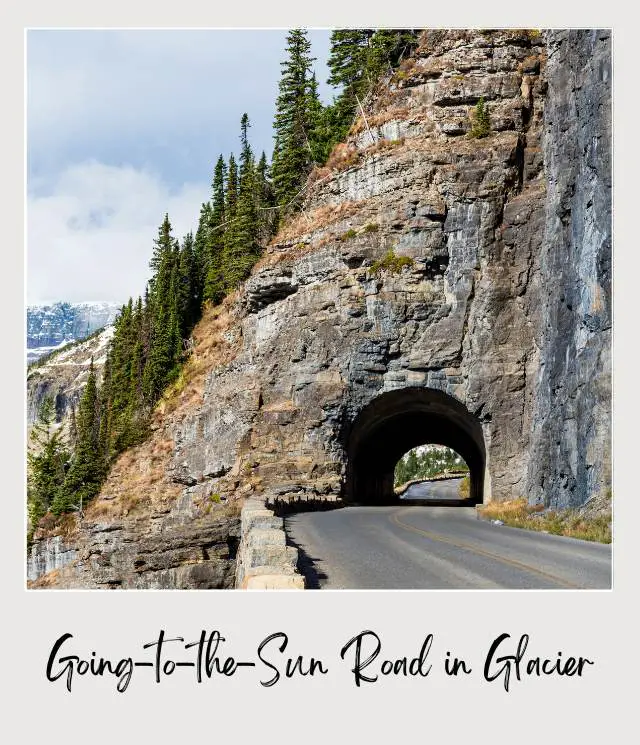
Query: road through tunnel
397, 421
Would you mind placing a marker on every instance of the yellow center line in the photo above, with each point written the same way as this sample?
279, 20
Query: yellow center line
482, 552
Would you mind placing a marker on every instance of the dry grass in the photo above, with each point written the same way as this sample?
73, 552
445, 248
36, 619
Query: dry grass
137, 480
377, 120
320, 218
520, 514
464, 488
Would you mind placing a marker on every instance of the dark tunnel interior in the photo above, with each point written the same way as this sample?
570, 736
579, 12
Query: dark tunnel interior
398, 421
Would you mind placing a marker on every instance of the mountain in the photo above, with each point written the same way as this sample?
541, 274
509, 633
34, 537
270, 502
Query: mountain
51, 326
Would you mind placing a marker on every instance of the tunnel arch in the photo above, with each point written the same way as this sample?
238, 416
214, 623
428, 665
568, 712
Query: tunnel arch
397, 421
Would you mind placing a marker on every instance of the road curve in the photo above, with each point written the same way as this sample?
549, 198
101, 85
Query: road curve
428, 547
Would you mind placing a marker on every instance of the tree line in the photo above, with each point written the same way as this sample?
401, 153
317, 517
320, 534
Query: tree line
249, 198
421, 463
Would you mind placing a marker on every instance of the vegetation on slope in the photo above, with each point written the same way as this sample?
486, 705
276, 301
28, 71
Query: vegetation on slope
153, 335
573, 523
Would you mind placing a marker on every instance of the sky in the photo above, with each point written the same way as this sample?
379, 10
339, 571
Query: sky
123, 126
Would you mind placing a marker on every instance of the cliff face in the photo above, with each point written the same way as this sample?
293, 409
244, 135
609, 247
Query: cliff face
571, 438
49, 326
64, 374
491, 337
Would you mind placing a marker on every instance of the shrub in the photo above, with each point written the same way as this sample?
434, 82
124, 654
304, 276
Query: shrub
391, 263
351, 233
481, 123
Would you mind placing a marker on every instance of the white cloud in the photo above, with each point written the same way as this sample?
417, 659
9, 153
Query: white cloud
91, 237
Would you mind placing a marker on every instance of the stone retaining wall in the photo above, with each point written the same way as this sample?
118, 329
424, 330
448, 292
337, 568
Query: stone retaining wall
264, 561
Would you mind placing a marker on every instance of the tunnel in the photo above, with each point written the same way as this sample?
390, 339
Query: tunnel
398, 421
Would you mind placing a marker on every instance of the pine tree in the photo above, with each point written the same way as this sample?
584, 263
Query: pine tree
231, 195
241, 248
481, 123
185, 295
347, 63
265, 199
294, 119
46, 463
86, 472
161, 244
214, 284
201, 250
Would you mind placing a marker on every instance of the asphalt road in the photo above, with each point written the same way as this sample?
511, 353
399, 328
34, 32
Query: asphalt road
429, 547
444, 489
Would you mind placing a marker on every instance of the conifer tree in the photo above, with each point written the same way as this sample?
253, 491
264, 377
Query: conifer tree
46, 462
214, 284
161, 244
241, 247
294, 119
265, 199
347, 63
86, 472
201, 250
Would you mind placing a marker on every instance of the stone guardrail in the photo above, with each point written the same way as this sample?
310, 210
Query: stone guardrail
441, 477
264, 561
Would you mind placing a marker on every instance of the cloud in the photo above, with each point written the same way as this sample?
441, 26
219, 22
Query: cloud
90, 237
171, 100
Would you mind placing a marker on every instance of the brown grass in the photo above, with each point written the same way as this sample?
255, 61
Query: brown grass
520, 514
137, 480
319, 218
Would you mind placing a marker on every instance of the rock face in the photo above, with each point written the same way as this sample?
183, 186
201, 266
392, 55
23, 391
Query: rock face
570, 445
491, 335
49, 326
64, 374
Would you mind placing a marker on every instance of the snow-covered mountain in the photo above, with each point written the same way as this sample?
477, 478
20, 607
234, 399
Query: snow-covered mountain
53, 326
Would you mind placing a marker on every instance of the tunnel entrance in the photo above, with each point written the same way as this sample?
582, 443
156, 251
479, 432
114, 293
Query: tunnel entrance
397, 421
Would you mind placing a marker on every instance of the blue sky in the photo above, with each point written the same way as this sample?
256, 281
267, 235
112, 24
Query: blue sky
123, 126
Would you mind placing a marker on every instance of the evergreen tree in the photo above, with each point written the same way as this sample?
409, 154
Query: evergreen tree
185, 295
241, 248
214, 283
201, 253
265, 199
46, 463
347, 63
85, 475
294, 120
161, 244
231, 196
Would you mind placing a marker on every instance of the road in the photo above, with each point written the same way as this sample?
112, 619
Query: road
436, 490
438, 547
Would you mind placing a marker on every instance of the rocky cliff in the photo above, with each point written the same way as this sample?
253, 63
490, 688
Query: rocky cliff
437, 287
50, 326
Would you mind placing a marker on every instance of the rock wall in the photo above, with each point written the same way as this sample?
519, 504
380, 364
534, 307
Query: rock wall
571, 441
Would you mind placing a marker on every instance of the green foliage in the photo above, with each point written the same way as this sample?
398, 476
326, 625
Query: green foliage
481, 123
424, 463
348, 235
391, 263
87, 470
371, 227
46, 461
297, 113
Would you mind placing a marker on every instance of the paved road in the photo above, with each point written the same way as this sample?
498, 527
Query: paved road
420, 547
437, 490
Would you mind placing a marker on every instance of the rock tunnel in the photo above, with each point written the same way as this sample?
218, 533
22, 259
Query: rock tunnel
398, 421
